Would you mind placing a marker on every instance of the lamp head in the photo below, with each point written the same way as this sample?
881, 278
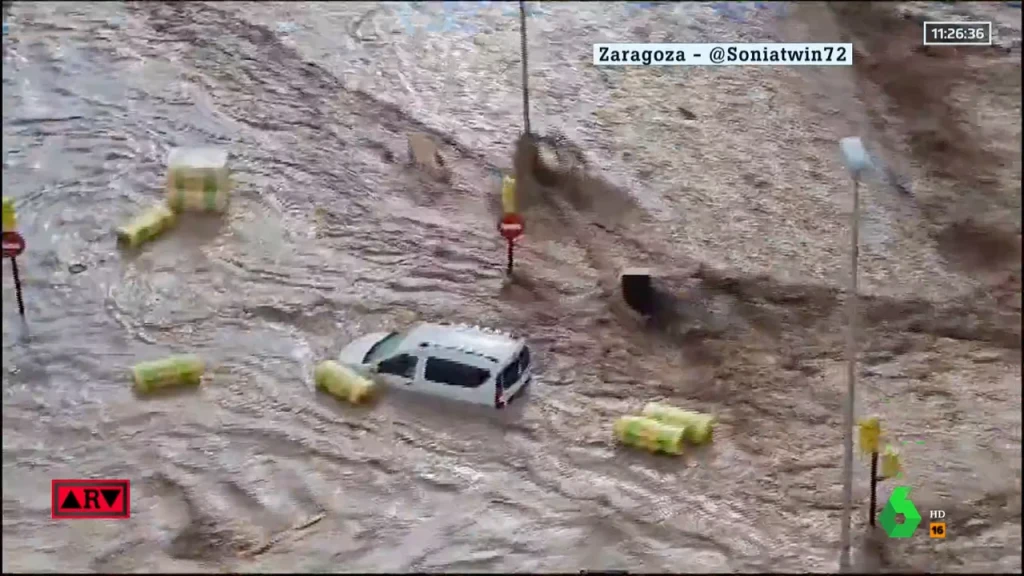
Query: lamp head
855, 156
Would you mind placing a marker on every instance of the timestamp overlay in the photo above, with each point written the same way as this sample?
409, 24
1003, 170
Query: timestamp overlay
958, 33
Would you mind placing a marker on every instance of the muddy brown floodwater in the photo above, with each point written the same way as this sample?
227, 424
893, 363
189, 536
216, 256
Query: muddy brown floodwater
726, 180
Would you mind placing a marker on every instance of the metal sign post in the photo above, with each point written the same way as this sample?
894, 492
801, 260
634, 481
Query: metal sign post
856, 159
511, 258
889, 461
874, 487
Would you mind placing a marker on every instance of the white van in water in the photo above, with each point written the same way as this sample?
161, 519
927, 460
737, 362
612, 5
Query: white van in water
460, 362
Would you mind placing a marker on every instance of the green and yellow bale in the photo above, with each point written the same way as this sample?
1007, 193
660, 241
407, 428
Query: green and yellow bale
182, 370
890, 463
508, 194
198, 180
343, 382
699, 427
145, 227
650, 434
10, 219
869, 438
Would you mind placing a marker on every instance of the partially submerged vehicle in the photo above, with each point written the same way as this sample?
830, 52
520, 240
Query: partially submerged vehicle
460, 362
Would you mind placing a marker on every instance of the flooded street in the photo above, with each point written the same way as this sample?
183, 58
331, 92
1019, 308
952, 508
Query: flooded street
727, 180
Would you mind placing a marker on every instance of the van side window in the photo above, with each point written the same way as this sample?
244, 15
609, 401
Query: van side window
403, 365
455, 373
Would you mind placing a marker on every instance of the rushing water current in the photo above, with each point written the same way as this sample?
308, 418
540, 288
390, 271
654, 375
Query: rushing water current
331, 235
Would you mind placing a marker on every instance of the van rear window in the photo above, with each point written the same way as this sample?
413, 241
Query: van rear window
455, 373
514, 371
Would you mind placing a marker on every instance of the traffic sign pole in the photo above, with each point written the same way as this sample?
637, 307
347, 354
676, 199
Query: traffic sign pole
874, 486
508, 268
17, 286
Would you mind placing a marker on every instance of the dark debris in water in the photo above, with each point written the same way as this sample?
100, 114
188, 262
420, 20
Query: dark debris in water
686, 113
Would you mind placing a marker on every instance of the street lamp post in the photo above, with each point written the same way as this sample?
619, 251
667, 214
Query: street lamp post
526, 79
857, 160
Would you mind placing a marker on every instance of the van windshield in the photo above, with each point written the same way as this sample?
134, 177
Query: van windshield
385, 348
514, 371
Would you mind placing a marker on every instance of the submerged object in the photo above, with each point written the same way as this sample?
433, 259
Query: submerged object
343, 382
198, 180
425, 155
650, 434
182, 370
699, 426
146, 226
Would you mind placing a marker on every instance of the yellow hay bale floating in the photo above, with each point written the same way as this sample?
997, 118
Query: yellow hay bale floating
10, 219
342, 382
182, 370
890, 463
146, 226
198, 180
870, 435
649, 434
699, 426
508, 195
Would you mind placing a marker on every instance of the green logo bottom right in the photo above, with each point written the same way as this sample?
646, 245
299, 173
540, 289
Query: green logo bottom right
899, 503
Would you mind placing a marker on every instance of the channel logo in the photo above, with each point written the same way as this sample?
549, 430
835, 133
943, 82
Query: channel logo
90, 499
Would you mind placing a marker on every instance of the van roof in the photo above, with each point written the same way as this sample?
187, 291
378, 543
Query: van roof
491, 344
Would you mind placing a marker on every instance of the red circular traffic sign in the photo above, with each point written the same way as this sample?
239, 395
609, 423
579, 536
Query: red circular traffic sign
511, 226
13, 244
